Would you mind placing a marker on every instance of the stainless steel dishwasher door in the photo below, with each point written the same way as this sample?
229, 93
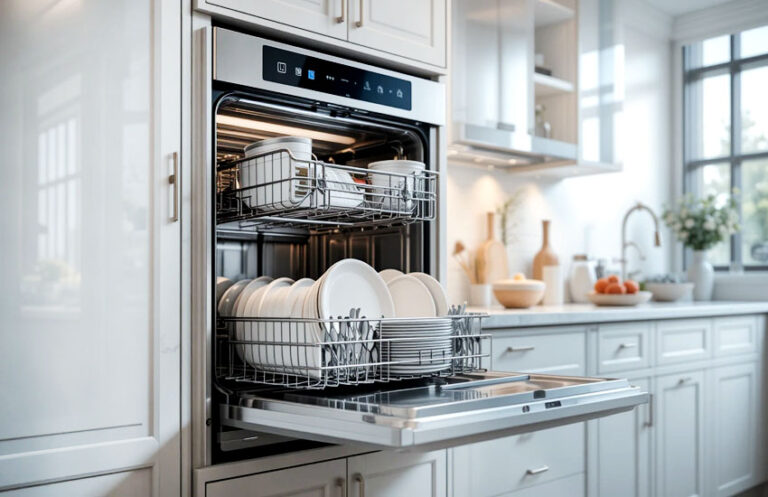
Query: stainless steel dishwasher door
429, 414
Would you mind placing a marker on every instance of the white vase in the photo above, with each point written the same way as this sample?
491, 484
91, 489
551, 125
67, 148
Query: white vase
702, 275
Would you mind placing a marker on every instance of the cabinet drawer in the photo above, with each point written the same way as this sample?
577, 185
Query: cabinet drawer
573, 486
684, 340
504, 465
555, 353
735, 335
623, 346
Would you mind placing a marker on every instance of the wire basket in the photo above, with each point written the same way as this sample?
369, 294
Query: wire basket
277, 189
320, 353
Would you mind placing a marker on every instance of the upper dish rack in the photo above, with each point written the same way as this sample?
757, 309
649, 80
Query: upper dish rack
320, 353
276, 189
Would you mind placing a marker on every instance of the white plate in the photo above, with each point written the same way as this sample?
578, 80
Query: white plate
390, 274
613, 299
342, 189
411, 298
227, 302
352, 284
268, 331
239, 310
222, 285
416, 369
437, 291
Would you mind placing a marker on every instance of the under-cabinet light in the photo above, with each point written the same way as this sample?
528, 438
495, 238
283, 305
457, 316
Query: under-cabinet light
282, 129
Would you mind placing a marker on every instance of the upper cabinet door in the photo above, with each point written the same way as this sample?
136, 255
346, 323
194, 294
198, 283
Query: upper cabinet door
327, 17
90, 335
415, 29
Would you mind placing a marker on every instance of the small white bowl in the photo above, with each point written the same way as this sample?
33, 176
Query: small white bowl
669, 292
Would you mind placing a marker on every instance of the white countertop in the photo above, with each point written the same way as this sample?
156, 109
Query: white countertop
587, 313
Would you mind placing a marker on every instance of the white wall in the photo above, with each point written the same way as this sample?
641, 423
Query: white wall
586, 212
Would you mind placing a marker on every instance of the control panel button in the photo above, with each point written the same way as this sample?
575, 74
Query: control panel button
297, 71
282, 67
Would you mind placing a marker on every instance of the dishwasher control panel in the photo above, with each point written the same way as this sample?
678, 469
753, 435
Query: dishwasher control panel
312, 73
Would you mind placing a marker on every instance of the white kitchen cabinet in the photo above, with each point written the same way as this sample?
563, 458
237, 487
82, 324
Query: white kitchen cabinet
509, 464
90, 337
412, 28
623, 444
393, 474
679, 417
327, 479
734, 410
326, 17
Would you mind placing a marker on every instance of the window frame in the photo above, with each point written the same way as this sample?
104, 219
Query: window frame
733, 67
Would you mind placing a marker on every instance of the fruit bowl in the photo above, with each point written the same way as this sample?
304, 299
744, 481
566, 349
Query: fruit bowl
619, 299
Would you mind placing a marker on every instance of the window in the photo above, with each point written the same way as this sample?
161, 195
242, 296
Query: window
726, 135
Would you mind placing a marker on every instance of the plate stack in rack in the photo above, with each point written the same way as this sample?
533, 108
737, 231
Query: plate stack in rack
417, 346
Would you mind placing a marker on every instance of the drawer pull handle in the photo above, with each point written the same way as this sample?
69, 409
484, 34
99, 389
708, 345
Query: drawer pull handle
342, 17
525, 348
684, 380
361, 482
627, 345
359, 23
341, 484
537, 471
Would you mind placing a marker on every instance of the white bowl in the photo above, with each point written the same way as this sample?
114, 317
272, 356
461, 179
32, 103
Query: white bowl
669, 292
387, 188
619, 299
282, 177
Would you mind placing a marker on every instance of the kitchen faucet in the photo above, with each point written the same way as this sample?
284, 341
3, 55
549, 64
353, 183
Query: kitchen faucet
625, 244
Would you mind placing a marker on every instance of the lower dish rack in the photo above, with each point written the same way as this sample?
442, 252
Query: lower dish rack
320, 353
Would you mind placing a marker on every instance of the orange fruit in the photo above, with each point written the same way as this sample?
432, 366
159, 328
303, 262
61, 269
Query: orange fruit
615, 288
631, 286
601, 284
614, 279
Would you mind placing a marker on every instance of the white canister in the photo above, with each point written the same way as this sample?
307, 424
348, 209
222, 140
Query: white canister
553, 278
282, 165
480, 295
582, 278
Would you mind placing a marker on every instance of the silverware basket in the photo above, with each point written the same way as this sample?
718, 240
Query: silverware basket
276, 189
317, 353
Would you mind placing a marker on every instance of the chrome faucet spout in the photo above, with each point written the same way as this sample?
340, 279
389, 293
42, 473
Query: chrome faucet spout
624, 244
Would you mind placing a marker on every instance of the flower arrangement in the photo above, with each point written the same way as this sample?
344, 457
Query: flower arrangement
704, 222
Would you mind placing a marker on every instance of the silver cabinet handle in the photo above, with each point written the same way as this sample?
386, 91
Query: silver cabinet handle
341, 484
524, 348
684, 380
359, 23
627, 345
649, 422
360, 481
537, 471
342, 17
174, 180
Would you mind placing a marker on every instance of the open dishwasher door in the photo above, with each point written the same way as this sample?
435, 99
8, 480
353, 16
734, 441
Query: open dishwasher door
432, 412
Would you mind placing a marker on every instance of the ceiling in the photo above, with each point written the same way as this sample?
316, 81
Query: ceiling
677, 7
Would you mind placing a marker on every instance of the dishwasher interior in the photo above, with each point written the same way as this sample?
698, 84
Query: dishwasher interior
300, 239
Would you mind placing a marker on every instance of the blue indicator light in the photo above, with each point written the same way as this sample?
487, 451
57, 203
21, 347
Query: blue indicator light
311, 74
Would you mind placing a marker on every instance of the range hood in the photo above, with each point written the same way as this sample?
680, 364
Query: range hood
473, 144
434, 412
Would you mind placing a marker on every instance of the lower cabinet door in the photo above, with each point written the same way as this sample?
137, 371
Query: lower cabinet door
623, 443
326, 479
124, 484
679, 410
734, 445
509, 464
393, 474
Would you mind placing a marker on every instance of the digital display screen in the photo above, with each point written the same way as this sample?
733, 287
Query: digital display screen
302, 71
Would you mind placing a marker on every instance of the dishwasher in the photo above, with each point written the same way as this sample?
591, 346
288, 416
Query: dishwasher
278, 214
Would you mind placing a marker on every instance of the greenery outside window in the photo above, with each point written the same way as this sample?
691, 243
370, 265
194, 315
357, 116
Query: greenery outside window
725, 130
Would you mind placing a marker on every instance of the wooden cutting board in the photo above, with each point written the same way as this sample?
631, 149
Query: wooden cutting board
492, 264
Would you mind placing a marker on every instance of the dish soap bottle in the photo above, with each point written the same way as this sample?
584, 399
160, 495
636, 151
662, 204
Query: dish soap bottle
581, 279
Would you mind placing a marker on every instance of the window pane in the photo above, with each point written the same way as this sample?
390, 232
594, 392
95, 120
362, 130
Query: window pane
715, 179
755, 212
754, 42
754, 110
709, 52
710, 117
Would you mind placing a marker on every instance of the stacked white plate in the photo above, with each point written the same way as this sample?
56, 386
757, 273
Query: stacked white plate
417, 346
